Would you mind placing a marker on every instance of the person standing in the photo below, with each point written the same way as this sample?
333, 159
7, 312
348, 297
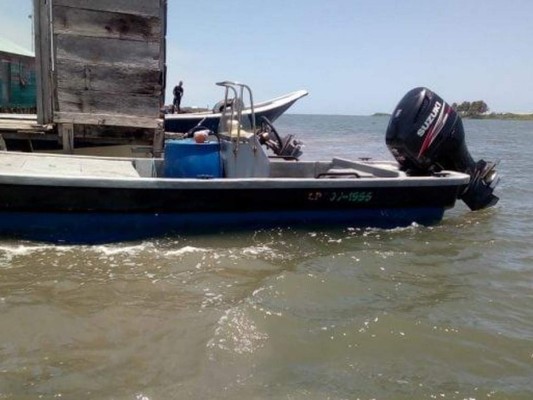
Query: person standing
178, 94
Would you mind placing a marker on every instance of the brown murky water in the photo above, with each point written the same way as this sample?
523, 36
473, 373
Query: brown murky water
417, 313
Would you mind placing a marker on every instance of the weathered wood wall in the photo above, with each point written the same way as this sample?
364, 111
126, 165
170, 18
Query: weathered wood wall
107, 61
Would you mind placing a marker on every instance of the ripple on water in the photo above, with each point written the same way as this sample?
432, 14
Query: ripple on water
415, 311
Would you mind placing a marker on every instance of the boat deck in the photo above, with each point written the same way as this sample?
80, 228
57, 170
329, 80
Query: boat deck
57, 165
17, 168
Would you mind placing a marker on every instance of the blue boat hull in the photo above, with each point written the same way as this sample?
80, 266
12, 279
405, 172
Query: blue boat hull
103, 213
93, 228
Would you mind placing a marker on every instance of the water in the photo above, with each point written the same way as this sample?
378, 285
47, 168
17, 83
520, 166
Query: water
439, 312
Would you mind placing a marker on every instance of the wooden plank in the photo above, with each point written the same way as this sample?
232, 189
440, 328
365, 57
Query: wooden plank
14, 125
163, 51
20, 117
107, 51
107, 119
136, 7
158, 142
29, 135
37, 17
66, 133
95, 102
43, 61
108, 78
82, 22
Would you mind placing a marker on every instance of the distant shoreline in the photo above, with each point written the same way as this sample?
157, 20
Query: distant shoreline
501, 116
498, 116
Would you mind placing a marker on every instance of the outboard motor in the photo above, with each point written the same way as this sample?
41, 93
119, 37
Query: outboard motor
426, 135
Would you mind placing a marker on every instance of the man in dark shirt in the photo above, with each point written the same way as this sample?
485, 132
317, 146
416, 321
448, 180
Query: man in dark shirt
178, 94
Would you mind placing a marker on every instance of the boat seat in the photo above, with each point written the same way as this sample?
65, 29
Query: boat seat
382, 170
344, 173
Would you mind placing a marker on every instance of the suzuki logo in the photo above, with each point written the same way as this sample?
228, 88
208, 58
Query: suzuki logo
430, 119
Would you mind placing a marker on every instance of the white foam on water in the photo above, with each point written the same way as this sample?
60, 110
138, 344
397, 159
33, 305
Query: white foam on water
262, 251
256, 250
111, 250
211, 299
378, 231
9, 253
236, 332
186, 250
22, 250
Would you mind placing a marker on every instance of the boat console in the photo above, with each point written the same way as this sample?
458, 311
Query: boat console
237, 150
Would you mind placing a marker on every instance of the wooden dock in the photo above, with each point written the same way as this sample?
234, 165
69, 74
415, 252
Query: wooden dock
21, 131
100, 74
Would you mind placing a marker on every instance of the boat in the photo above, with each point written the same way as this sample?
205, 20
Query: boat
246, 176
271, 109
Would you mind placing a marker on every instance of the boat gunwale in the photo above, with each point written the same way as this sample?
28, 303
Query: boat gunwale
448, 178
444, 178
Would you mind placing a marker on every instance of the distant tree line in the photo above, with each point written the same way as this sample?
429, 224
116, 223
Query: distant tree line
480, 110
471, 109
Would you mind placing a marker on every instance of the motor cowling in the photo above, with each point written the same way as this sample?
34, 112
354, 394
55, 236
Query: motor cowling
426, 135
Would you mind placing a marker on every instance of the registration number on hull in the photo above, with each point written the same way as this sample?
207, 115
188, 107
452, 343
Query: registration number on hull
341, 196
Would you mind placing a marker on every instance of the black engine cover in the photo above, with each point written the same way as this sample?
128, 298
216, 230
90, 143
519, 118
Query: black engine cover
426, 135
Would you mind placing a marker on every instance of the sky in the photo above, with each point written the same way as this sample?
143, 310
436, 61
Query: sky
355, 57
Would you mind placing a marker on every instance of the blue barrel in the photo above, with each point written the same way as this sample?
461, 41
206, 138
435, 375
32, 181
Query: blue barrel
187, 159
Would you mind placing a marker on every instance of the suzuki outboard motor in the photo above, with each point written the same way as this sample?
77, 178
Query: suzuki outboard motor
426, 135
